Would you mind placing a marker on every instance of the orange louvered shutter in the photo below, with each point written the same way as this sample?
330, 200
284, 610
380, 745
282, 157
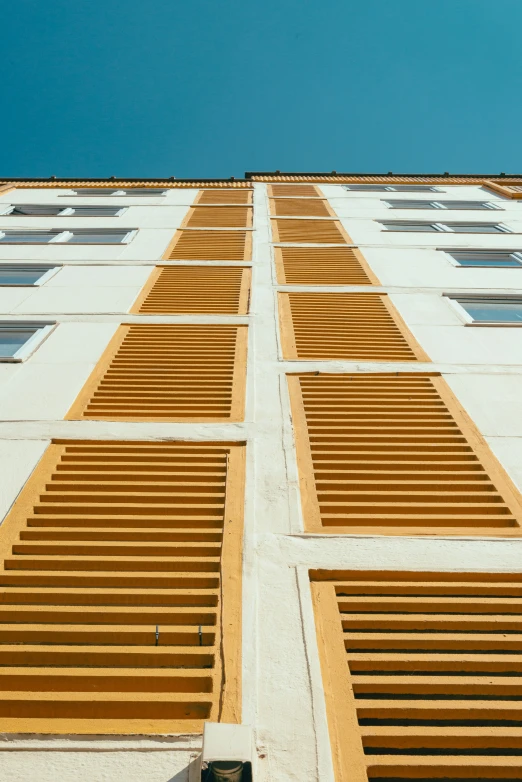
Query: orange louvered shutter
421, 674
224, 196
308, 231
200, 245
219, 217
321, 266
168, 373
300, 207
350, 326
116, 585
395, 454
296, 191
223, 290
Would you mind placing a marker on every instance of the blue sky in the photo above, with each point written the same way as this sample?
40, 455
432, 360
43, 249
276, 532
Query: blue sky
207, 88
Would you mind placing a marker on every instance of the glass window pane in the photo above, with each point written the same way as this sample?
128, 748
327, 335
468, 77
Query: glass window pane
369, 188
145, 191
492, 262
79, 211
465, 205
483, 255
131, 191
415, 189
12, 340
407, 203
499, 311
394, 188
36, 210
94, 238
95, 211
19, 237
423, 227
96, 191
20, 277
475, 228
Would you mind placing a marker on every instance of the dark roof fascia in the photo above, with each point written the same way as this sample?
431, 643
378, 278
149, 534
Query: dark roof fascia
167, 180
325, 174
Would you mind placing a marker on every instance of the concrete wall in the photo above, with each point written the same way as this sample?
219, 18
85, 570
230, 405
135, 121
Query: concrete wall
282, 688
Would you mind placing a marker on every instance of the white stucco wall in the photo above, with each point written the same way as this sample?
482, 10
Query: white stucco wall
91, 295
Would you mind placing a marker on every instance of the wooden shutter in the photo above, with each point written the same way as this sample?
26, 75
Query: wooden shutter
305, 191
168, 373
220, 290
322, 266
309, 231
300, 207
199, 245
508, 191
349, 326
395, 454
421, 674
118, 576
219, 217
224, 196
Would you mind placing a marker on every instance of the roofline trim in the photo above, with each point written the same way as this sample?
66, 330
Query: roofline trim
445, 174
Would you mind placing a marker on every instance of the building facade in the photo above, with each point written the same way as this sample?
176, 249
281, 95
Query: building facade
260, 464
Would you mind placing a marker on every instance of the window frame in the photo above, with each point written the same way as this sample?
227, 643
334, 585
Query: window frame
517, 254
442, 227
64, 237
63, 211
41, 331
482, 206
110, 193
47, 273
376, 188
456, 299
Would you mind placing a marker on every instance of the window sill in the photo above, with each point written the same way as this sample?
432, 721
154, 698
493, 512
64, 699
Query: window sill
495, 323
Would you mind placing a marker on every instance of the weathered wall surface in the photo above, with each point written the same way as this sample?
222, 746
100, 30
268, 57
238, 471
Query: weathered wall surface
93, 292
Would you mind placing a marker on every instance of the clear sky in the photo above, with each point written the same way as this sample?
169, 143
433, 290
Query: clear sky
208, 88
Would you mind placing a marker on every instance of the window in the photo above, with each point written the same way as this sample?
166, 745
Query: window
70, 237
198, 374
400, 225
409, 431
63, 211
18, 339
459, 228
16, 274
477, 228
492, 309
487, 258
133, 191
410, 203
345, 326
190, 606
417, 670
394, 188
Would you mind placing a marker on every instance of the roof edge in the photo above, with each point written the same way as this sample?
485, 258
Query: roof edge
166, 180
250, 174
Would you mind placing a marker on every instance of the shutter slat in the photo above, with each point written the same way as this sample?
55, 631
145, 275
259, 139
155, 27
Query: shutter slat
300, 207
98, 653
350, 326
201, 245
322, 266
230, 196
429, 713
219, 217
304, 231
306, 191
386, 453
220, 290
168, 373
